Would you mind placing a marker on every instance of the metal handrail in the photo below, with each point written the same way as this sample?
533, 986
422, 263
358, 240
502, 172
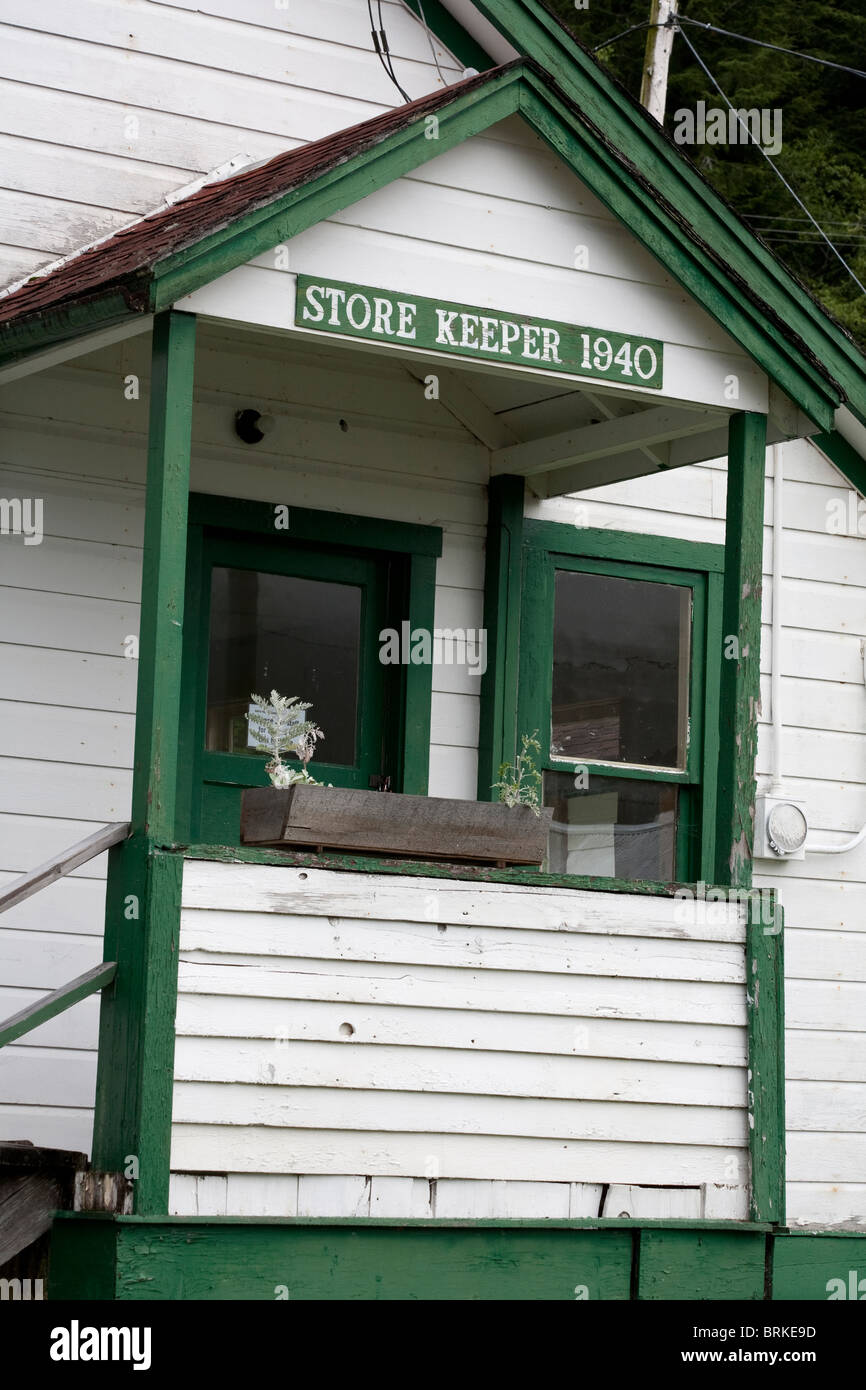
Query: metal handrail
55, 1003
62, 864
24, 887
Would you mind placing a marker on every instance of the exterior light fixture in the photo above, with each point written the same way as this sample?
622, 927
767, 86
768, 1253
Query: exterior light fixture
251, 426
781, 828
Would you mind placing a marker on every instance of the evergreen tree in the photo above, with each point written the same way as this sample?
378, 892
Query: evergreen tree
823, 154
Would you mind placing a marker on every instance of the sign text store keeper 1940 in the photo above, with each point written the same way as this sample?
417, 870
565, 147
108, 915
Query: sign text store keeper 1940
384, 316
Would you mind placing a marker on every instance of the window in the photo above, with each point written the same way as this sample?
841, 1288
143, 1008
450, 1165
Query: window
283, 632
617, 688
300, 613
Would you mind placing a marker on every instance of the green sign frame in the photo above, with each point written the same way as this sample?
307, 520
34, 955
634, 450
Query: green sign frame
391, 316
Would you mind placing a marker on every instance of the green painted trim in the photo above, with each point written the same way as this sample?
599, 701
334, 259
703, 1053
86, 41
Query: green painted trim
632, 547
59, 1000
740, 685
404, 150
163, 577
395, 722
497, 741
452, 34
97, 1256
825, 1233
136, 1031
430, 1223
550, 546
315, 527
188, 810
816, 1269
844, 456
136, 1028
427, 868
765, 995
535, 681
688, 1264
418, 681
26, 337
377, 747
710, 761
659, 228
727, 247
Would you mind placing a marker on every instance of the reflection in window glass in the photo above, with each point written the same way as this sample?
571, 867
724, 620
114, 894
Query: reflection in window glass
620, 670
617, 827
298, 636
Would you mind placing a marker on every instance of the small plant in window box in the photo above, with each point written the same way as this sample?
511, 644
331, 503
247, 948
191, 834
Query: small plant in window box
278, 726
520, 782
296, 812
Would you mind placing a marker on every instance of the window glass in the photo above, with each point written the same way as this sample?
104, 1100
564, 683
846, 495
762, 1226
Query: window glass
615, 827
620, 670
301, 637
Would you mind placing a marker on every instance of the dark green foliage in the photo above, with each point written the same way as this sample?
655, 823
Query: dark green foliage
823, 153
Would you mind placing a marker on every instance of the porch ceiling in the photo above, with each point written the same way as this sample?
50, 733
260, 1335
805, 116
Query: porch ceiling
564, 440
561, 438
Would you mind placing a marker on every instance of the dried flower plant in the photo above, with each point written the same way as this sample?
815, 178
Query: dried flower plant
279, 725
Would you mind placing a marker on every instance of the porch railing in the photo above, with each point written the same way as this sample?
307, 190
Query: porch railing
24, 887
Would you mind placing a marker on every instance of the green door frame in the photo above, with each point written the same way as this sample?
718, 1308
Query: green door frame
549, 546
212, 781
227, 523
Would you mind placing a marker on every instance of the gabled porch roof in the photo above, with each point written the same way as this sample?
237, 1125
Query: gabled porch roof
110, 289
156, 260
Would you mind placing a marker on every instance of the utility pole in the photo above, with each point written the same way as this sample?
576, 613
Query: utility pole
660, 41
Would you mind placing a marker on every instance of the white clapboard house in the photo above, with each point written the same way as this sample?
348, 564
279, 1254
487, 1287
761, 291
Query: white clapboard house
292, 370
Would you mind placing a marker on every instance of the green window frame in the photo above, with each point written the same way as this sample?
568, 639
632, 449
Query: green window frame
393, 563
553, 546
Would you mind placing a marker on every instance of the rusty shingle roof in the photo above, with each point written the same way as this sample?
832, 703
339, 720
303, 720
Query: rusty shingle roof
123, 261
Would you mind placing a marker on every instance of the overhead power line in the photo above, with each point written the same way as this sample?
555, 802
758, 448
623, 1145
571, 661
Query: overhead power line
729, 34
380, 43
776, 170
761, 43
647, 24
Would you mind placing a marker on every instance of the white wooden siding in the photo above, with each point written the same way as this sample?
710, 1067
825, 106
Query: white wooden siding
108, 107
824, 761
356, 1028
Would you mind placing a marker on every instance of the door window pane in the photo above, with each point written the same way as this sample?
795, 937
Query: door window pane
301, 637
620, 670
617, 827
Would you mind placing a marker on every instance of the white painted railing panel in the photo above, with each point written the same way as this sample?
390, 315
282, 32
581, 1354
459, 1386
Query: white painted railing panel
339, 1030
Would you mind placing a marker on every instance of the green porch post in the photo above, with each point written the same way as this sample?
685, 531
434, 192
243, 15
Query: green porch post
164, 577
136, 1038
740, 685
497, 742
739, 694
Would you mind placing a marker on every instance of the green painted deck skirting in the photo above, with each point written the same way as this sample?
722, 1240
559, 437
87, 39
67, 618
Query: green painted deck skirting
254, 1259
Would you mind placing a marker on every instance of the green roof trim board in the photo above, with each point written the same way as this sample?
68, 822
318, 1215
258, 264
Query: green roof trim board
451, 33
533, 31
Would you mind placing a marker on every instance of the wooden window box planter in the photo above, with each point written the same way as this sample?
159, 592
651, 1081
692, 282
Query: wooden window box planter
420, 827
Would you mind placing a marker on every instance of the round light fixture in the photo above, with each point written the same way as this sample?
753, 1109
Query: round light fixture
251, 426
786, 828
